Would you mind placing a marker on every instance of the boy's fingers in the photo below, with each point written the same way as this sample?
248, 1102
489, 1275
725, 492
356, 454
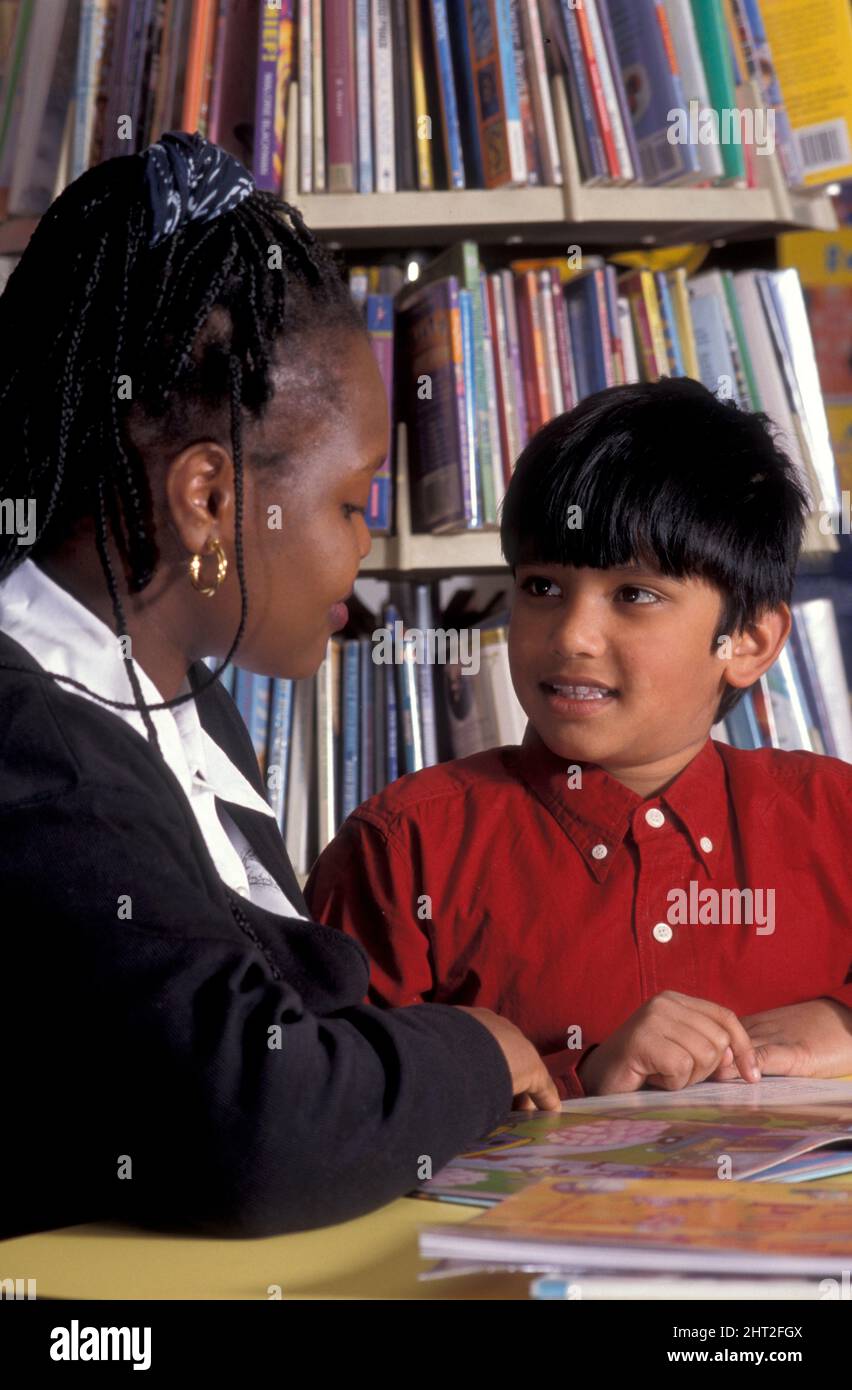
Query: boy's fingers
740, 1042
781, 1059
676, 1066
524, 1102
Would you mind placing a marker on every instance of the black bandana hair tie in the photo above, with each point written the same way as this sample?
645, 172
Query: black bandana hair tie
188, 179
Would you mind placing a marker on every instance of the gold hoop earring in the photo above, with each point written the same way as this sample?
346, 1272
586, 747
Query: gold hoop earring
213, 547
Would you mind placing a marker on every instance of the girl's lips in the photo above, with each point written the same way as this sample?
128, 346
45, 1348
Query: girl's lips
582, 702
338, 615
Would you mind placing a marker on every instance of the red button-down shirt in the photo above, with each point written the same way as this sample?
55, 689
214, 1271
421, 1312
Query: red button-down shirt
493, 880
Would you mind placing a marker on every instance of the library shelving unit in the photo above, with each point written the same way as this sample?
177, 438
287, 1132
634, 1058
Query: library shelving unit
557, 217
572, 214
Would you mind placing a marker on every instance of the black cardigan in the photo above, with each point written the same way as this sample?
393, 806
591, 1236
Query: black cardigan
141, 1076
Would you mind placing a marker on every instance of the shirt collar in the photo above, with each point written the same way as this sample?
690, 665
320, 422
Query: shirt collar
598, 814
66, 637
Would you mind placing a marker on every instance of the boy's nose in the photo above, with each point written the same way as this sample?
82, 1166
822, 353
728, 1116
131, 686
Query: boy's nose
577, 631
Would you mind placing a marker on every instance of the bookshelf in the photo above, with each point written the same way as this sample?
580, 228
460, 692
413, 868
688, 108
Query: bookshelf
411, 554
573, 212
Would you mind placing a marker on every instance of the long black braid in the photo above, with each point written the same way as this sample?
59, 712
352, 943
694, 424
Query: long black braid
89, 303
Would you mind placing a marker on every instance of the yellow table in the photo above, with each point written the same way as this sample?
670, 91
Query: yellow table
375, 1256
372, 1257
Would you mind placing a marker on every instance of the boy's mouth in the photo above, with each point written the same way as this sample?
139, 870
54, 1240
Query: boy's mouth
577, 697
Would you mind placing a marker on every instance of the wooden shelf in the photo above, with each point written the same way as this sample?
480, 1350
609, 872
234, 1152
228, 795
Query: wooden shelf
464, 553
408, 552
572, 213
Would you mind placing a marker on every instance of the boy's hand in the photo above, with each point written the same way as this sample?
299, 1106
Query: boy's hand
672, 1041
533, 1087
811, 1039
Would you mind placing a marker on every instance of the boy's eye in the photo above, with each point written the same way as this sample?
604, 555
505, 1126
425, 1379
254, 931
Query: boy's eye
541, 587
349, 509
632, 594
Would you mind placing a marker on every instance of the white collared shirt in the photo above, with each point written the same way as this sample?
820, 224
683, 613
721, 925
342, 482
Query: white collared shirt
64, 636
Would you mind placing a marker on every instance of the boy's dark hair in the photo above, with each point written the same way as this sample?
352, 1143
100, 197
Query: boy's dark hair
90, 302
664, 474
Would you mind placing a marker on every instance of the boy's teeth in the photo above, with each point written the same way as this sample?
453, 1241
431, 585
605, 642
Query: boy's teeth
581, 692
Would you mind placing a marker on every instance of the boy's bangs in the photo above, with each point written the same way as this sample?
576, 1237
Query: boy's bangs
596, 515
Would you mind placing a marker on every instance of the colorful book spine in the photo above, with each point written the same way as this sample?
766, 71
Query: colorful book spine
513, 340
409, 708
494, 464
680, 302
432, 361
466, 94
551, 347
788, 149
306, 97
422, 118
350, 780
340, 95
599, 9
532, 151
265, 94
366, 697
406, 170
447, 89
599, 97
563, 344
469, 463
383, 100
502, 19
380, 326
318, 83
649, 69
591, 146
716, 50
391, 617
364, 96
424, 617
694, 78
510, 440
670, 329
540, 93
280, 733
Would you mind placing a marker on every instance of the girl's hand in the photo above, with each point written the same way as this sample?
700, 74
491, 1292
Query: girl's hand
810, 1039
672, 1041
533, 1087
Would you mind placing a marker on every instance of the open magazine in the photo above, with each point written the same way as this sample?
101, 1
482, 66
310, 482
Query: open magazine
695, 1139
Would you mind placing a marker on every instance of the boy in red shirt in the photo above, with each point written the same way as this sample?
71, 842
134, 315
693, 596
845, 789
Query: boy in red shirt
647, 905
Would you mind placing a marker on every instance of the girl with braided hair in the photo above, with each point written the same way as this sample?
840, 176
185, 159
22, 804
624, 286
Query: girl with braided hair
190, 407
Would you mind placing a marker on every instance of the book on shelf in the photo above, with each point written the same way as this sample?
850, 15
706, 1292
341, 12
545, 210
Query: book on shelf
407, 95
485, 358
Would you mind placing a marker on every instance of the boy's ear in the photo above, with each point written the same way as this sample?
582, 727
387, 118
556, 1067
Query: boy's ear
752, 651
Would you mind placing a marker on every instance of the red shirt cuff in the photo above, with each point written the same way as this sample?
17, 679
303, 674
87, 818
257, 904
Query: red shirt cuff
563, 1067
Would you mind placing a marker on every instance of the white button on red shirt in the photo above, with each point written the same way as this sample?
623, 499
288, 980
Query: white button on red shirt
655, 817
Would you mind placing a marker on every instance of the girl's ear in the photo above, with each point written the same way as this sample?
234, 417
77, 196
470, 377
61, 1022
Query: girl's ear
756, 647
